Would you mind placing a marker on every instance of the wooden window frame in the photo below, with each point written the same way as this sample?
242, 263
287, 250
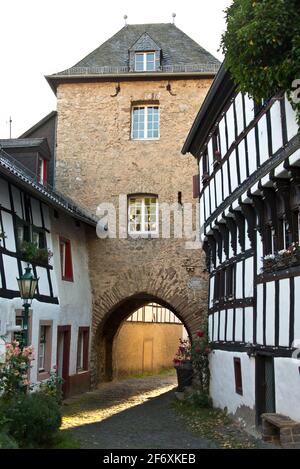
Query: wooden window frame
142, 197
238, 375
45, 374
67, 277
145, 54
145, 129
85, 349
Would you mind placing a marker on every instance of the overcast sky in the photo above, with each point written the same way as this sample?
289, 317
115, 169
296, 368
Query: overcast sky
40, 37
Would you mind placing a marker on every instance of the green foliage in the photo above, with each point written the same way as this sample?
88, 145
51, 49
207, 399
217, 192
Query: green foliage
262, 47
7, 442
32, 253
199, 355
52, 387
14, 372
199, 399
33, 419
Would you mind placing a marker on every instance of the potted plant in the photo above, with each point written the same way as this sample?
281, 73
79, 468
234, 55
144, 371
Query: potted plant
31, 253
183, 365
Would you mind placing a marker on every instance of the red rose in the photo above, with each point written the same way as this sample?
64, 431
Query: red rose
197, 349
200, 334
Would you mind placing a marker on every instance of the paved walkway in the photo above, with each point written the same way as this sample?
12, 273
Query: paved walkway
133, 413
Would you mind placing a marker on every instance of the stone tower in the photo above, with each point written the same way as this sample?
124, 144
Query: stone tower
124, 112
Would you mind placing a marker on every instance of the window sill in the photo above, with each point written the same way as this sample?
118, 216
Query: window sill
81, 372
65, 279
42, 375
144, 139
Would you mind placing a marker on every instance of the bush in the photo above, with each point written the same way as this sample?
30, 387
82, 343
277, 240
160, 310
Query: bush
33, 419
52, 387
200, 399
7, 442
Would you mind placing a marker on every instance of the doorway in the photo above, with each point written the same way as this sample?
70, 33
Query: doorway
265, 386
63, 356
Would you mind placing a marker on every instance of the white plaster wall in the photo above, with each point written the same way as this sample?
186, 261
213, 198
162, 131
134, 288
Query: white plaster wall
249, 277
259, 314
249, 325
242, 160
210, 156
297, 309
225, 180
223, 137
239, 113
210, 331
222, 383
222, 325
249, 109
212, 195
36, 212
8, 229
17, 198
292, 126
239, 280
251, 151
233, 171
259, 250
218, 187
238, 325
216, 325
230, 126
287, 385
206, 200
74, 297
263, 139
270, 314
284, 312
229, 332
277, 140
211, 291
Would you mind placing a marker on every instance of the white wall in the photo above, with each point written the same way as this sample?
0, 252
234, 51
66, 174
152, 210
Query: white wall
287, 386
222, 384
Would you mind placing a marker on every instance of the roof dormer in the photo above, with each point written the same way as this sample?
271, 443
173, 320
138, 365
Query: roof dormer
145, 55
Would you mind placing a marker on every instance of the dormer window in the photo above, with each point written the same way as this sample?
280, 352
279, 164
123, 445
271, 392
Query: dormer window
42, 171
144, 61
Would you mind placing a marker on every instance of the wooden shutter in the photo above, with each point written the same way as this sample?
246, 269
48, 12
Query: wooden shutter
196, 186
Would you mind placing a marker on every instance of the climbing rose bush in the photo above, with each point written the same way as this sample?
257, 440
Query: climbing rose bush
199, 355
14, 372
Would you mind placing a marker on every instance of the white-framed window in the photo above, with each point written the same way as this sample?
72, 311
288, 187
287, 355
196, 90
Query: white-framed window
145, 123
42, 348
144, 61
143, 215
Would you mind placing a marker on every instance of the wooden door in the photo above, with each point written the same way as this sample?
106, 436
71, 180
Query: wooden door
63, 356
265, 386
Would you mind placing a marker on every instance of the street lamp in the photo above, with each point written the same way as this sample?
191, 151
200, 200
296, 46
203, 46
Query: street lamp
27, 286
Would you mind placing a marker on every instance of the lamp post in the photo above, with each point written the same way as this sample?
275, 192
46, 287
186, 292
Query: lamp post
27, 286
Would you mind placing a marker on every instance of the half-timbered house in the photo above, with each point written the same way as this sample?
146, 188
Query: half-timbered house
32, 213
249, 190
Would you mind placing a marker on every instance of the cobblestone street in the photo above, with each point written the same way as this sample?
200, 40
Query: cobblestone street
132, 413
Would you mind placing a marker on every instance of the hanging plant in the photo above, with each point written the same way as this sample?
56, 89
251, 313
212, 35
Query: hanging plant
262, 48
31, 253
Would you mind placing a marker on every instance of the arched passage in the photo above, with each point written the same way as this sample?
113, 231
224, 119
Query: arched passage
110, 327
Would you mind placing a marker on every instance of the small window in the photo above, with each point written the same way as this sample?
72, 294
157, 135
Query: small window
44, 351
145, 123
82, 349
238, 376
216, 147
143, 215
42, 171
42, 348
144, 61
66, 260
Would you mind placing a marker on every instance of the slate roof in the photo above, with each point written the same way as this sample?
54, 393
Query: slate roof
20, 175
40, 144
180, 54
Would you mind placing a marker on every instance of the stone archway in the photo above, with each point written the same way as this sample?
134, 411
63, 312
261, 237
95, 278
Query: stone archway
130, 292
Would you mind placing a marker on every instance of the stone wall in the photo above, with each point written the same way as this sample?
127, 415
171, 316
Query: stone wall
97, 161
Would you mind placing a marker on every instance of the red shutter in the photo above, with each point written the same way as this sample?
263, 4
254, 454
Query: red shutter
68, 260
196, 186
45, 175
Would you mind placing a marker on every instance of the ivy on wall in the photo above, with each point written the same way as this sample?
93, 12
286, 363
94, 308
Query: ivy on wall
262, 48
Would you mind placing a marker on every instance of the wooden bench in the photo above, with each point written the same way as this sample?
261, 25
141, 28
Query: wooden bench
278, 428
